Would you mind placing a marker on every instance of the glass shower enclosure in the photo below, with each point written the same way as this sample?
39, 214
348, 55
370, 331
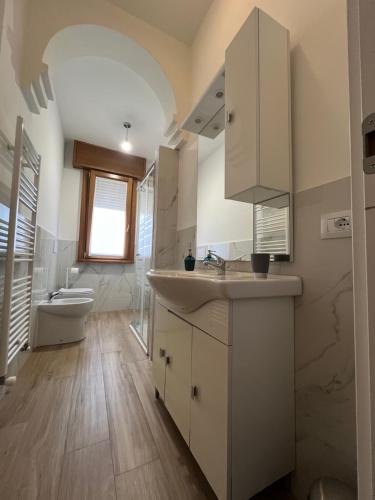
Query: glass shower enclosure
142, 303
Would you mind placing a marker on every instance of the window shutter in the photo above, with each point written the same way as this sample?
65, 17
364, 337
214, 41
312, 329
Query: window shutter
110, 194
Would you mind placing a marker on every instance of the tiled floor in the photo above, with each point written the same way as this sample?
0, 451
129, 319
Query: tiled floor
82, 423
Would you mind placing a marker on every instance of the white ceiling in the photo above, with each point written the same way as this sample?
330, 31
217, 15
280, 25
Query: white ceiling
96, 95
178, 18
96, 41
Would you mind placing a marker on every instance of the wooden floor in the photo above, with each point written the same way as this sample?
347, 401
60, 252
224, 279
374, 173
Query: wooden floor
82, 423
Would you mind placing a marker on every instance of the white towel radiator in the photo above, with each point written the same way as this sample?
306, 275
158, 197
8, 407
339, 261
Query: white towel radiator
17, 235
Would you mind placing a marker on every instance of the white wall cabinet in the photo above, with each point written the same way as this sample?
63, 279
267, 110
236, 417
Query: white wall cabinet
226, 375
257, 103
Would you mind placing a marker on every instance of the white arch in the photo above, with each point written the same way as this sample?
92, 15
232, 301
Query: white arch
93, 40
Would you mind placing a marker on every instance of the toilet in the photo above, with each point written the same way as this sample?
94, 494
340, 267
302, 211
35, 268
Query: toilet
70, 293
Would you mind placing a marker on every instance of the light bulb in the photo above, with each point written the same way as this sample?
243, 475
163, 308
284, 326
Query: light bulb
126, 146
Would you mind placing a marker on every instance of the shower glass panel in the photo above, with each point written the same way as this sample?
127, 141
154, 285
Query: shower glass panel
142, 299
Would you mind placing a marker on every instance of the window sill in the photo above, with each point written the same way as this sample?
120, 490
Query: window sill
105, 261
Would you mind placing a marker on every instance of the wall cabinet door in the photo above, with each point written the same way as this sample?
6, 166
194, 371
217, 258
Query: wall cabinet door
257, 103
161, 321
178, 373
209, 409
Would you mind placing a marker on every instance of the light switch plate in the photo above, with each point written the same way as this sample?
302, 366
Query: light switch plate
336, 225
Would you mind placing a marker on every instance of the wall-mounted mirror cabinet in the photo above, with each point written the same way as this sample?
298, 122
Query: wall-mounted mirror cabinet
251, 161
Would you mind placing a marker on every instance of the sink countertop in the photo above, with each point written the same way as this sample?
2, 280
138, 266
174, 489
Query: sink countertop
186, 291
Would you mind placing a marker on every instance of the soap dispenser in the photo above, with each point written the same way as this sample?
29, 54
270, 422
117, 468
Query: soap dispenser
189, 261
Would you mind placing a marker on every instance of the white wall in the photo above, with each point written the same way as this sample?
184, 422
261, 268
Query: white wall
44, 129
219, 220
70, 201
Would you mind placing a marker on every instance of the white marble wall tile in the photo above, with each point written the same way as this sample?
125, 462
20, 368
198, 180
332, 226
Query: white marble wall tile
230, 251
165, 220
44, 276
186, 238
324, 342
45, 263
114, 284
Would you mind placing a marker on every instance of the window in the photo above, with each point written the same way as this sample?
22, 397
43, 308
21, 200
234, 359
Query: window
107, 218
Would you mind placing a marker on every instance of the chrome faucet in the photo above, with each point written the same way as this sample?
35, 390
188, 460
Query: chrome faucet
52, 295
214, 260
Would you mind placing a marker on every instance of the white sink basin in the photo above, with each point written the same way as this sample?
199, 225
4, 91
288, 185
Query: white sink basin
185, 291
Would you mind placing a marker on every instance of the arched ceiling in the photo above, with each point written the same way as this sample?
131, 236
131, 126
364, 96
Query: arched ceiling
97, 41
96, 95
103, 78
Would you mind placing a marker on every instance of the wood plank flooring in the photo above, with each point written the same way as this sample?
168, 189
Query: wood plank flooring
82, 423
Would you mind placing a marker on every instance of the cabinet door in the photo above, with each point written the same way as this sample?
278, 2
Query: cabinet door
178, 373
241, 102
209, 409
257, 98
161, 317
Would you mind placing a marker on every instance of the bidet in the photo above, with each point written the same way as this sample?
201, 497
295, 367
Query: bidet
62, 321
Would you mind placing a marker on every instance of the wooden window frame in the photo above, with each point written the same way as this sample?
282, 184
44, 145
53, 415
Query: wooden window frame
87, 202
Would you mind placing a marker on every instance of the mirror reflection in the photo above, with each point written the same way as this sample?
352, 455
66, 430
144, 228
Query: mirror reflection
224, 226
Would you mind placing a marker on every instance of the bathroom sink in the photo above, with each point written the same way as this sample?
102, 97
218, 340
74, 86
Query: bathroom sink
185, 291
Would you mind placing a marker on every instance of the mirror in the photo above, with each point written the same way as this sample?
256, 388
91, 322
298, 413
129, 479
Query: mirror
225, 226
234, 228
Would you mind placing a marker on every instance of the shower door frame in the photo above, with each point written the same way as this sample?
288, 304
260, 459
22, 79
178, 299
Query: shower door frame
146, 346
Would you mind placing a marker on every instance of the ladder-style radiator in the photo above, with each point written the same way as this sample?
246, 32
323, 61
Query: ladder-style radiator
17, 243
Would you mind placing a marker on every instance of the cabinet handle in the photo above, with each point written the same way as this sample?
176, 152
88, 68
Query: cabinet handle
194, 391
229, 117
162, 353
167, 360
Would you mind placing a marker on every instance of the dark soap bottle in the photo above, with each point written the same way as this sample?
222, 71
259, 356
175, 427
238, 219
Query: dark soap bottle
189, 261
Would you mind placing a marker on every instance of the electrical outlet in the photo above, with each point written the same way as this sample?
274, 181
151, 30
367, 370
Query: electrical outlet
336, 225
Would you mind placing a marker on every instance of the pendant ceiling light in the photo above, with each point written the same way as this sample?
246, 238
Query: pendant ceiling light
126, 145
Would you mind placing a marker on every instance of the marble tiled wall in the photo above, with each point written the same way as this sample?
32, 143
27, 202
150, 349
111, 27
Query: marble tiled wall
186, 238
114, 284
324, 341
165, 219
230, 251
44, 276
45, 264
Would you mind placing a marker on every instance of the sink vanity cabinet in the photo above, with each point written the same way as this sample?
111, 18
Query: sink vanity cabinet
172, 366
225, 372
